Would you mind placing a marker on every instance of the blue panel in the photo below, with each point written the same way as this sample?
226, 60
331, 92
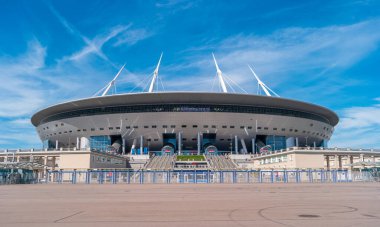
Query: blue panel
276, 142
100, 143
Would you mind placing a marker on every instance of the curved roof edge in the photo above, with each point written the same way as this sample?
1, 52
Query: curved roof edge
185, 97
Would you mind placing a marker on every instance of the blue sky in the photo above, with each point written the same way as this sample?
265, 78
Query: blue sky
325, 52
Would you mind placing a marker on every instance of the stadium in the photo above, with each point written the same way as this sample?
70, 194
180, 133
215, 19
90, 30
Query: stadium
185, 122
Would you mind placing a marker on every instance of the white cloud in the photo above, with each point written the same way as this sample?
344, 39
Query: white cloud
289, 58
21, 93
131, 37
359, 127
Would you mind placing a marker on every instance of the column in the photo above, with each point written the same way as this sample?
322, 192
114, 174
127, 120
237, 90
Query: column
297, 144
56, 144
45, 163
350, 161
336, 162
78, 143
123, 148
141, 145
199, 143
340, 161
253, 146
53, 162
362, 157
328, 162
236, 145
179, 143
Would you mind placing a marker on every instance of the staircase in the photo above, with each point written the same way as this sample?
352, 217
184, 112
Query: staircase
164, 162
220, 162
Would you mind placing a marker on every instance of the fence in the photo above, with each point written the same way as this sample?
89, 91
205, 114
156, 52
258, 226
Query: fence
204, 176
17, 176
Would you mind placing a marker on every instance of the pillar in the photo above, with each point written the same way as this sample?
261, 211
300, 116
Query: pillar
297, 144
56, 144
123, 148
336, 161
236, 145
179, 143
141, 145
45, 163
362, 157
350, 161
340, 161
78, 143
253, 146
328, 162
199, 143
53, 163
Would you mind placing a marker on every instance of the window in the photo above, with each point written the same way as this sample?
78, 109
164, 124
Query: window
265, 128
224, 126
194, 139
164, 126
155, 139
295, 130
259, 127
135, 126
127, 127
118, 128
154, 126
194, 126
84, 130
214, 126
183, 126
110, 128
242, 127
185, 108
283, 129
172, 126
184, 139
61, 124
231, 126
249, 127
274, 129
291, 130
92, 129
205, 126
101, 129
78, 130
146, 126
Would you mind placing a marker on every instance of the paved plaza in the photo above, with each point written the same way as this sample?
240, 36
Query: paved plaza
344, 204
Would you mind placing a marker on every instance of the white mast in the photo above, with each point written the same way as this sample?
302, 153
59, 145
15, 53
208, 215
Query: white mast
155, 75
219, 72
263, 85
112, 81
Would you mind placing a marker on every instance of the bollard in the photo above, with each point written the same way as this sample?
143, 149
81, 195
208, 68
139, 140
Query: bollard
248, 181
260, 176
272, 176
285, 176
74, 176
114, 177
297, 175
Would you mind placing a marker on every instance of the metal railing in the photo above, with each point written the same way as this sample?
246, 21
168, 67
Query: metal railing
141, 176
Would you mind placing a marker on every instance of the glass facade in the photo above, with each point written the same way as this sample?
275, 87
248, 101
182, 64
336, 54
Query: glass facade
100, 143
185, 108
276, 142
